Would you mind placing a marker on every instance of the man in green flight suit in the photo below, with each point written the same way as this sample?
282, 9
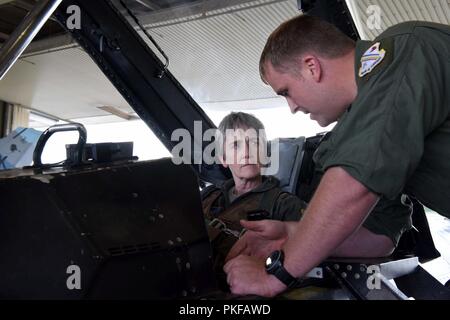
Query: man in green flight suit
391, 98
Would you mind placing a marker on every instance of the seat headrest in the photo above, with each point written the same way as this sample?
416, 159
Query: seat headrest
290, 160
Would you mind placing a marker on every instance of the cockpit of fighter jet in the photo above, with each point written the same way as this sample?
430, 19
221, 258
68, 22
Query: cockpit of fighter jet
114, 153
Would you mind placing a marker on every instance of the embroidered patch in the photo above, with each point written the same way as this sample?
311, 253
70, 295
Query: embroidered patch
371, 58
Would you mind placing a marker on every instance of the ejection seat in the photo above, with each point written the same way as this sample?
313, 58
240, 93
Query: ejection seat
296, 171
291, 151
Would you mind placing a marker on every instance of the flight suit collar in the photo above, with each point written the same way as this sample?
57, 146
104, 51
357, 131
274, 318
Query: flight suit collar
267, 184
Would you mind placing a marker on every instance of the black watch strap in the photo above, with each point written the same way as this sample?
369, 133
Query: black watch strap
284, 276
274, 266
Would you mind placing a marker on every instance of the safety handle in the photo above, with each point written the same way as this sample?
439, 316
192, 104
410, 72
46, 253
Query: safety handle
37, 154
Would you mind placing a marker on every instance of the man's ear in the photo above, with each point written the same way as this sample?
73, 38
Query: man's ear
311, 68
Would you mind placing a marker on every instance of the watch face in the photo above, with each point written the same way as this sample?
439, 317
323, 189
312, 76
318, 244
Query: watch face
268, 261
273, 260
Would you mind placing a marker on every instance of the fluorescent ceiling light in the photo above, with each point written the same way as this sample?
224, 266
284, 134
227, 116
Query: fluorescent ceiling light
119, 113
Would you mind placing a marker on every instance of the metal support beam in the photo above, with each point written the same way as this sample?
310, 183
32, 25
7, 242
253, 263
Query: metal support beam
149, 4
2, 2
24, 33
187, 10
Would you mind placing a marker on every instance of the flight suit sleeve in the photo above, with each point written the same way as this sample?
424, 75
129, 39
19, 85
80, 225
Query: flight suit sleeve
380, 139
289, 207
390, 218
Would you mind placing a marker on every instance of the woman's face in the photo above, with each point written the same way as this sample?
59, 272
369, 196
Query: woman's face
241, 153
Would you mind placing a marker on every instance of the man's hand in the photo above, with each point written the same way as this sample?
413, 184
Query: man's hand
247, 275
261, 239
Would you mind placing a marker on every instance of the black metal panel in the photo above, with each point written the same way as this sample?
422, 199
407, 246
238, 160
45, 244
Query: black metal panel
162, 103
135, 230
422, 286
333, 11
354, 277
417, 241
37, 244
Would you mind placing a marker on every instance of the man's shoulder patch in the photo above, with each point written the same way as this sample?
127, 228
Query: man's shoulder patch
371, 58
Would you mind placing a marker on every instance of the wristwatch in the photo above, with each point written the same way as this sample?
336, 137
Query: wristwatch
274, 266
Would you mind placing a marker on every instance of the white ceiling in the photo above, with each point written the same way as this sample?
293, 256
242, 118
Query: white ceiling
66, 84
214, 55
216, 58
396, 11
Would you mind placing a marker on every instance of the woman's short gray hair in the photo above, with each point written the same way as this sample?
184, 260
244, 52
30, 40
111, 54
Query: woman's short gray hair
240, 120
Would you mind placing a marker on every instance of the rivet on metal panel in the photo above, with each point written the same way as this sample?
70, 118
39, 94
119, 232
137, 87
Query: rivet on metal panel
336, 266
349, 267
113, 44
344, 275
